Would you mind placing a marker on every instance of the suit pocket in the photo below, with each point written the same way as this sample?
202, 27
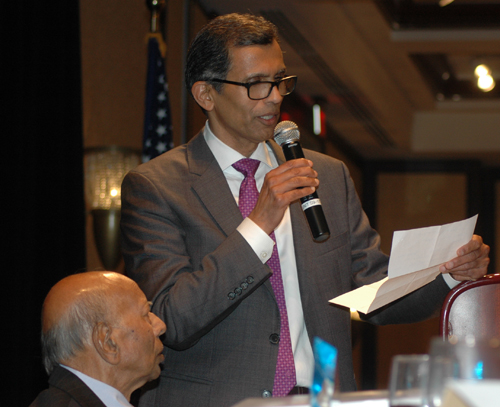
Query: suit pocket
186, 379
332, 244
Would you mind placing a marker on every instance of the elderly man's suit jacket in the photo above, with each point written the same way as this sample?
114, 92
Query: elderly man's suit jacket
181, 245
66, 389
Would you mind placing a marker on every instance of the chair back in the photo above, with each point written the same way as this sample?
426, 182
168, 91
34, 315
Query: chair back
472, 308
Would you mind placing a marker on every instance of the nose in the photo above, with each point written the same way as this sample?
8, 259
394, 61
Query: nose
159, 326
275, 95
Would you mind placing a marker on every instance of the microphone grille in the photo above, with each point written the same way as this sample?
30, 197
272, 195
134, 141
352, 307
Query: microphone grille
286, 132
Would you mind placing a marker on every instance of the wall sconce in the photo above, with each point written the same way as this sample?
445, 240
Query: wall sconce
105, 168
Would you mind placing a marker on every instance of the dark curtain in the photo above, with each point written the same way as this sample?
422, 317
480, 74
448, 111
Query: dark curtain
42, 194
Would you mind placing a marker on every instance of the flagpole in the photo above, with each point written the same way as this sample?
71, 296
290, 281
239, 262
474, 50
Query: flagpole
155, 6
157, 134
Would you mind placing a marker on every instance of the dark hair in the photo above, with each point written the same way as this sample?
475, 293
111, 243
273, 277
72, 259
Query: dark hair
208, 56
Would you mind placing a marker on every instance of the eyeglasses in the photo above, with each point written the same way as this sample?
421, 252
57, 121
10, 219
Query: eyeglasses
262, 89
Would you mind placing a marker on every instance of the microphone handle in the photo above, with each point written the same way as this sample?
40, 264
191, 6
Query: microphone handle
311, 205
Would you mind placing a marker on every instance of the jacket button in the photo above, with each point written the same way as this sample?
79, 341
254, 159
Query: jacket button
250, 280
274, 339
244, 285
266, 394
238, 291
231, 296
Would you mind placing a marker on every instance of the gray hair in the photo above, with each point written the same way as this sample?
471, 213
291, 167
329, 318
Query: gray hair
73, 332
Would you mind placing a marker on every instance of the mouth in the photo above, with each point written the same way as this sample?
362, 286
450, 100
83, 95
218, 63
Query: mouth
159, 353
269, 118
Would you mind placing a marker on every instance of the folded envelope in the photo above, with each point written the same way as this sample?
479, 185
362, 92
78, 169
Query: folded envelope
416, 255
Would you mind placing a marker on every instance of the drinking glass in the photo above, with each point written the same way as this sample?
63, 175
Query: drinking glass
408, 380
442, 368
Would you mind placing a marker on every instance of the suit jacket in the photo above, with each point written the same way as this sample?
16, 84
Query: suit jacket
66, 390
180, 244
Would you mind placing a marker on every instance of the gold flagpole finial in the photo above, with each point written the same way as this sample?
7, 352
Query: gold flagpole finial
155, 6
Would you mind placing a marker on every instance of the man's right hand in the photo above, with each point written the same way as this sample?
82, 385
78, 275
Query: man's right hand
290, 181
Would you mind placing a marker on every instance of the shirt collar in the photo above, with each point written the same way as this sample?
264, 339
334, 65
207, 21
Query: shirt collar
227, 156
110, 396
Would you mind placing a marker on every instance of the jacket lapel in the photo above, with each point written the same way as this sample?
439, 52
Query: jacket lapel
211, 186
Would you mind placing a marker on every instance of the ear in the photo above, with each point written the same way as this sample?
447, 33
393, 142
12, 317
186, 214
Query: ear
202, 93
105, 343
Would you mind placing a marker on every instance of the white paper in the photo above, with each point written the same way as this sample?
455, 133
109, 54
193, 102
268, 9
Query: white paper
472, 393
416, 255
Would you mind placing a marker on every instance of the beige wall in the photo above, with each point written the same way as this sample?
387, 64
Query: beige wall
114, 53
406, 201
114, 63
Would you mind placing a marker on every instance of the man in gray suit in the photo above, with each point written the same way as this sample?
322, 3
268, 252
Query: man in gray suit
100, 341
205, 267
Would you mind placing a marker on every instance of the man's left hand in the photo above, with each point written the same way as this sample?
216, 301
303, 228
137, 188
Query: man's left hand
471, 263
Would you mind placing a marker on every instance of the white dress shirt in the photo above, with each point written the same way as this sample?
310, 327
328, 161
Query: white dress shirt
262, 244
110, 396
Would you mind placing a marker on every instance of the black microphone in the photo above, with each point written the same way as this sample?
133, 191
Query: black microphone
287, 135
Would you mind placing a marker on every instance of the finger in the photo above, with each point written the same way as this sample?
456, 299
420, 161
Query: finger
463, 261
283, 194
467, 277
297, 174
475, 243
296, 177
473, 269
461, 265
468, 256
464, 269
290, 165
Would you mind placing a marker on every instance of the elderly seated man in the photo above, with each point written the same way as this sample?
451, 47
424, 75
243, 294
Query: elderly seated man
100, 341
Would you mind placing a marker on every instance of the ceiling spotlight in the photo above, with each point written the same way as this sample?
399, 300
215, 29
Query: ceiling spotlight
485, 80
485, 83
482, 70
443, 3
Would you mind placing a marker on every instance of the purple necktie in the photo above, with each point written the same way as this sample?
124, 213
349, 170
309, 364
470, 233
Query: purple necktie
284, 379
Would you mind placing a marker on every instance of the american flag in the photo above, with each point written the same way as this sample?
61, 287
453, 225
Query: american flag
157, 121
